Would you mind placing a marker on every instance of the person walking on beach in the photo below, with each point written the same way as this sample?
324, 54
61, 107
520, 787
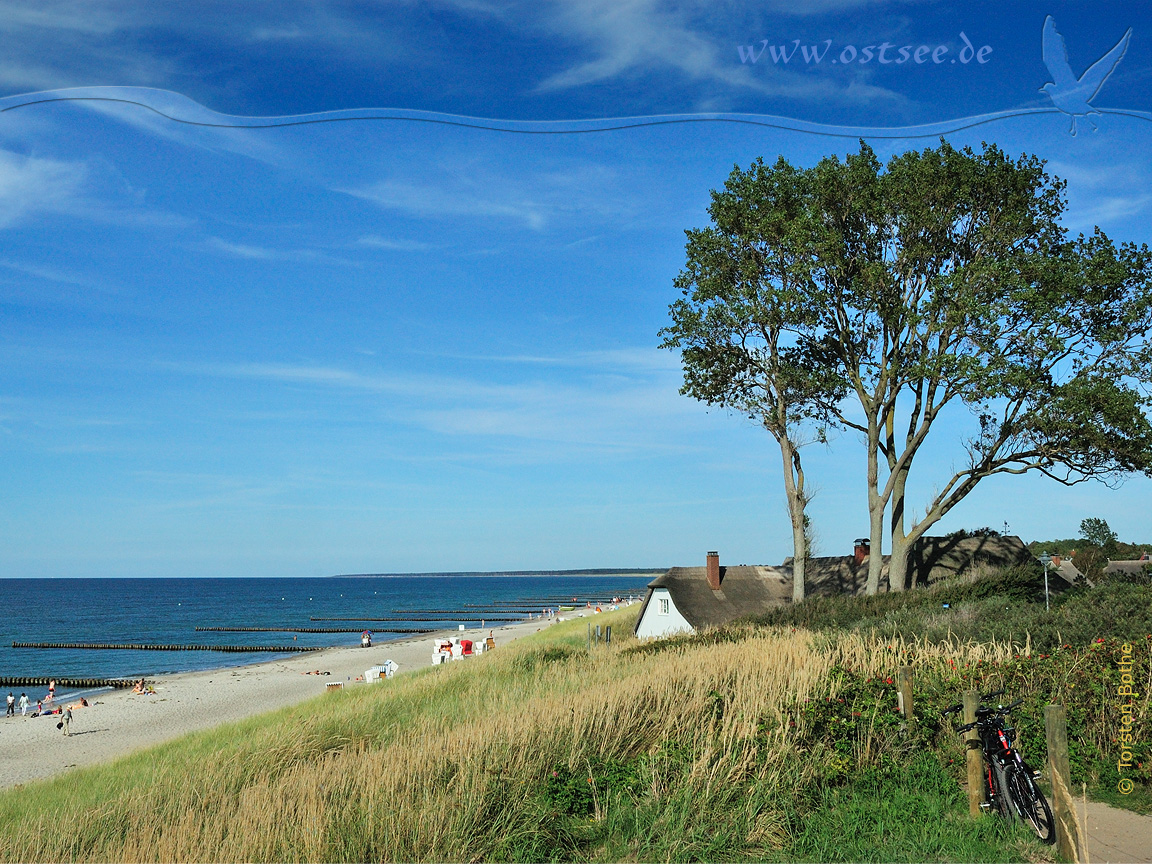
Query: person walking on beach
23, 704
11, 705
67, 721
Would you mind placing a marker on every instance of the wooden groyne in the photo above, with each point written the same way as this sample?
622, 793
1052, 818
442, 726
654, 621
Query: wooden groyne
105, 646
316, 629
477, 616
471, 613
75, 683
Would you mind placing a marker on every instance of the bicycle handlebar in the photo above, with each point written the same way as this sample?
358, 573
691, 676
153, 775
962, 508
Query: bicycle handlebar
982, 714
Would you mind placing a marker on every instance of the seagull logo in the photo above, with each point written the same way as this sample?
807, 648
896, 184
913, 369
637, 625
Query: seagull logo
1070, 94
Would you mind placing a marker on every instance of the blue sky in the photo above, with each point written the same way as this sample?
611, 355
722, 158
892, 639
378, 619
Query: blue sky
389, 346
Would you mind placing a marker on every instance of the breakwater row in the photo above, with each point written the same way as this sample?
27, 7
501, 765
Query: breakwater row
67, 683
106, 646
318, 629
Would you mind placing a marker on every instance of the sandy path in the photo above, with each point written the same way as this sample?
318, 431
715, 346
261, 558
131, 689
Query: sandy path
119, 722
1117, 836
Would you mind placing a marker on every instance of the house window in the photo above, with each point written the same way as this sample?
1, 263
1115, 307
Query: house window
664, 607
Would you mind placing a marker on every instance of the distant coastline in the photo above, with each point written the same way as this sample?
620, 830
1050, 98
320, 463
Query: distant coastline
604, 571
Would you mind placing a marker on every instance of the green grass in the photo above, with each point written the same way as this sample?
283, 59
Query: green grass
747, 743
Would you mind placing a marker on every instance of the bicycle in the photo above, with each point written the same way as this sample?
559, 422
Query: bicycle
1010, 784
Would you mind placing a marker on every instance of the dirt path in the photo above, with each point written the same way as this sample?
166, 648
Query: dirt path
1117, 836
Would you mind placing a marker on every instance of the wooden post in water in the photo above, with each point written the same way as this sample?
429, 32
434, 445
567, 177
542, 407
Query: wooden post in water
975, 756
1064, 809
906, 691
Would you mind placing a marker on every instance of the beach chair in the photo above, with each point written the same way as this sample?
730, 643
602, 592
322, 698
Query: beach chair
466, 647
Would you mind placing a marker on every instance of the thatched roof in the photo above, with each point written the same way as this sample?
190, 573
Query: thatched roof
743, 591
748, 590
931, 559
1133, 568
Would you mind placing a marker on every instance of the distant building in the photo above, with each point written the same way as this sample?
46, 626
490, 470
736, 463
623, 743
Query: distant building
686, 599
1131, 568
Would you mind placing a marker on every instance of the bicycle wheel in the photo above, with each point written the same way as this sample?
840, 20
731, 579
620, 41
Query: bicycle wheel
1001, 793
1031, 804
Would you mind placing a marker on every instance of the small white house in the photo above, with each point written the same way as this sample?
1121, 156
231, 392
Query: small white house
660, 617
686, 599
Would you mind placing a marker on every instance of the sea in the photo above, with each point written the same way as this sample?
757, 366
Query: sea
168, 611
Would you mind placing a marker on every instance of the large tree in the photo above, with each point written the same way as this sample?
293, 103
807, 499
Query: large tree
945, 280
747, 303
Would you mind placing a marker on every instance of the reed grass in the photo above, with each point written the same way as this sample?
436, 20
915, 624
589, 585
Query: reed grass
538, 751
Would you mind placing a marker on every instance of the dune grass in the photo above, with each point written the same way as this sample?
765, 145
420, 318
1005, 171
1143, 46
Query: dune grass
541, 751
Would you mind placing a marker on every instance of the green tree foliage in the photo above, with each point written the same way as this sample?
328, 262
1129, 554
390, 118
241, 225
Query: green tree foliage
1097, 532
747, 304
941, 279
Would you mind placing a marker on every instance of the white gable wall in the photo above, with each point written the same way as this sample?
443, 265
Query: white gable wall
658, 622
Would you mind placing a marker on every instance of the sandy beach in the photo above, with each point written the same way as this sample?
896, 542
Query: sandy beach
118, 722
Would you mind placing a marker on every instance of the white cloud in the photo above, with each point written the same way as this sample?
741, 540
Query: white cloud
372, 241
241, 250
614, 400
31, 184
534, 197
437, 201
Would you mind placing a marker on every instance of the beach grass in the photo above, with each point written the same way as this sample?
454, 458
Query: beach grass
709, 749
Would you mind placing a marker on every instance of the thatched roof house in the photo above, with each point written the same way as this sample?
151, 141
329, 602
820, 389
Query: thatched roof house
1130, 568
690, 598
683, 599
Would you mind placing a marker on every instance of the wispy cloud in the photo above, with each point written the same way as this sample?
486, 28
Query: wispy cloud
629, 38
30, 184
243, 250
372, 241
614, 400
535, 197
1103, 193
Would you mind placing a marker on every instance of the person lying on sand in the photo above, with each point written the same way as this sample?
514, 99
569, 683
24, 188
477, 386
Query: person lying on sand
317, 672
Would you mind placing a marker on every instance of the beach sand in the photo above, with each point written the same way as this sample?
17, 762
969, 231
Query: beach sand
118, 722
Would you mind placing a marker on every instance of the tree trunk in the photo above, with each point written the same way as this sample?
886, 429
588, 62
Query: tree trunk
898, 564
794, 489
875, 513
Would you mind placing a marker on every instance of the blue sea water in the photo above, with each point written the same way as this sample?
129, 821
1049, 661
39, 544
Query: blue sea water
167, 611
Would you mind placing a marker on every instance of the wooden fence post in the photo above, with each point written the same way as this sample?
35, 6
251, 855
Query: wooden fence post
975, 756
1064, 809
906, 691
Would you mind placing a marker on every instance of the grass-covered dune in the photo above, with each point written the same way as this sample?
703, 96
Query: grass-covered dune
756, 743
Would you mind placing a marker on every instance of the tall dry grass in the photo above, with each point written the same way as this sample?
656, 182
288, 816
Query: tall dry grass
449, 764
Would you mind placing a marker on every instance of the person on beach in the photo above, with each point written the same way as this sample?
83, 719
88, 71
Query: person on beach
67, 721
11, 705
39, 708
23, 704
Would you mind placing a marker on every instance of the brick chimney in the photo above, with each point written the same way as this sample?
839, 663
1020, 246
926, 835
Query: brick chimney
713, 570
1055, 560
861, 549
